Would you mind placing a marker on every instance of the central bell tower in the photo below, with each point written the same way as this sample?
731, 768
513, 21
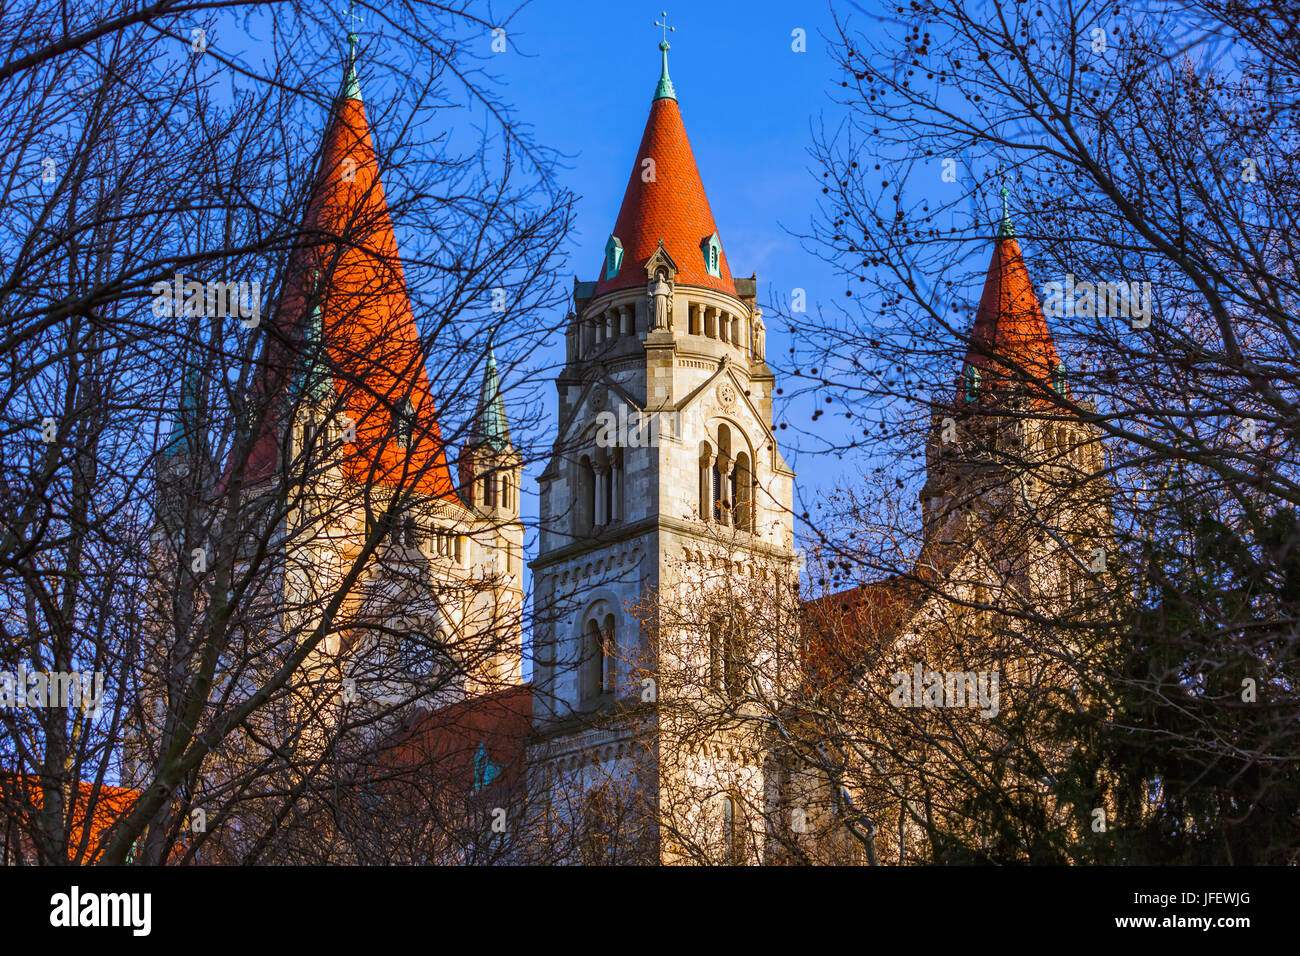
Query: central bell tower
665, 478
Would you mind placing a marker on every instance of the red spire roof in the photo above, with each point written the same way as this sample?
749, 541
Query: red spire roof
670, 206
369, 334
1009, 324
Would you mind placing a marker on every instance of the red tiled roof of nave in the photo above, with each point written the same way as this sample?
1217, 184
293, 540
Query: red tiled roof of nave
843, 628
671, 206
367, 325
446, 741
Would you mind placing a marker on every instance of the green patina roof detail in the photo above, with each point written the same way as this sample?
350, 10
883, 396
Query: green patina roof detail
665, 91
351, 85
490, 425
314, 379
183, 439
1005, 229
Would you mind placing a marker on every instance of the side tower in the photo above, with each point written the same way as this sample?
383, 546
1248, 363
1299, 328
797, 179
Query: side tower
1008, 460
350, 444
489, 486
664, 486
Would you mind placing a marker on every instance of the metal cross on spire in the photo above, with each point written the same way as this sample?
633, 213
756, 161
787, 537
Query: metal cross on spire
667, 28
352, 31
665, 91
1005, 229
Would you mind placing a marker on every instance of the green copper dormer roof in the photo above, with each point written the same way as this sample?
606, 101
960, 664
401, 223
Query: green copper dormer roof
490, 425
1005, 229
183, 439
665, 91
313, 379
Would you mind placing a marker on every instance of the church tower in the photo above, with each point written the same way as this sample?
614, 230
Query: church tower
665, 479
489, 485
1008, 460
351, 443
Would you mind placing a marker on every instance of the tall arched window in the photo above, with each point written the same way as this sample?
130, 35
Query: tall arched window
734, 654
722, 489
586, 503
593, 654
598, 658
731, 837
742, 493
608, 655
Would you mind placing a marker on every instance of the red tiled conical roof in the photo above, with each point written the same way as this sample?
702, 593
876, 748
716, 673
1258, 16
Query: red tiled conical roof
1010, 342
670, 206
366, 324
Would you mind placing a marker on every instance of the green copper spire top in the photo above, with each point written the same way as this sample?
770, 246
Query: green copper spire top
351, 85
490, 425
665, 91
313, 376
1005, 229
183, 439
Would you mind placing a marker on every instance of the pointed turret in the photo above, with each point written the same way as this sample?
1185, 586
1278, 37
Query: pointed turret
1011, 348
489, 466
346, 286
491, 428
185, 440
665, 200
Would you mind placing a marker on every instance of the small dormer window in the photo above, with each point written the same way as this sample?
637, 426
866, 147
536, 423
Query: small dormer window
712, 249
972, 382
613, 257
406, 424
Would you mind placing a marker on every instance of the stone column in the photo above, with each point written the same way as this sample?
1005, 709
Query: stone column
598, 519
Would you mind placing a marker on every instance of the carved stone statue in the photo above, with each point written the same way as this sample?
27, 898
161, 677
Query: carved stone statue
760, 336
660, 289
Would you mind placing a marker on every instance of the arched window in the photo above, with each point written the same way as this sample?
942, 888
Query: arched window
742, 492
734, 657
722, 485
598, 660
586, 503
505, 491
608, 656
731, 832
597, 824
